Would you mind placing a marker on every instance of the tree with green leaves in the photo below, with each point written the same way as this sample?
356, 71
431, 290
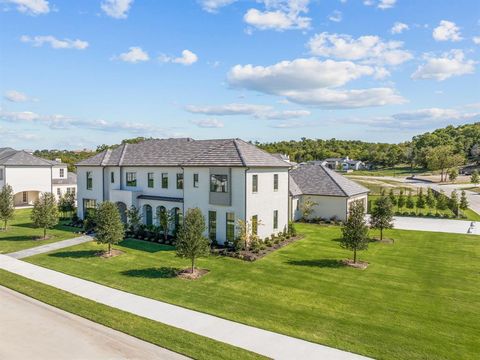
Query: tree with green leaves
452, 174
463, 201
442, 158
66, 204
355, 230
191, 243
421, 202
392, 197
454, 202
165, 219
410, 203
475, 178
382, 215
45, 212
134, 218
442, 201
7, 208
401, 200
430, 199
306, 207
109, 228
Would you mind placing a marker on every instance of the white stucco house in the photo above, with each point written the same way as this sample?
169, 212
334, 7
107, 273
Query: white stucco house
332, 192
227, 179
30, 176
344, 164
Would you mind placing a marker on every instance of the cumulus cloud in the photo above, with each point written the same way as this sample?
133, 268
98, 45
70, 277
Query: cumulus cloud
335, 16
187, 58
447, 31
31, 7
399, 27
54, 42
257, 111
117, 9
369, 49
452, 63
208, 123
279, 15
134, 55
15, 96
212, 6
386, 4
476, 40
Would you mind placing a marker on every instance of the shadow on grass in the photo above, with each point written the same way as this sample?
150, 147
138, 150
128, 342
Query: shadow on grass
322, 263
76, 254
337, 240
153, 273
147, 246
19, 238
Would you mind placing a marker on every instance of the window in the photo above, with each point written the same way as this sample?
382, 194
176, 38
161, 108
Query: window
1, 174
275, 219
219, 183
59, 192
89, 180
195, 180
112, 177
131, 179
254, 183
275, 182
151, 181
179, 181
89, 207
71, 190
164, 181
25, 197
212, 225
254, 224
62, 173
230, 226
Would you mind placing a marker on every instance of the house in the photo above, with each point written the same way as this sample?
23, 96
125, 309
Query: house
344, 164
331, 192
30, 176
226, 179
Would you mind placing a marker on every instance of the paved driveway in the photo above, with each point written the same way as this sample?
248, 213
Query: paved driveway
436, 225
30, 329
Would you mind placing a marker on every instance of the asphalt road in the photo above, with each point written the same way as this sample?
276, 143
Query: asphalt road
32, 330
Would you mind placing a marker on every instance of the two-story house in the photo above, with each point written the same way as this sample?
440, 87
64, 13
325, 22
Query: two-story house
227, 179
30, 176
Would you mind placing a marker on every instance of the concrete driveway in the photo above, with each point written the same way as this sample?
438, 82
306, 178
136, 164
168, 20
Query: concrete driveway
30, 329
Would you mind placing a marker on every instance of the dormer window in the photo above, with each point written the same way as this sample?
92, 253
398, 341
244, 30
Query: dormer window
62, 173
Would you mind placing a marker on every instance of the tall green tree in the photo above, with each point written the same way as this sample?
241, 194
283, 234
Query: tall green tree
442, 201
45, 212
442, 158
454, 202
109, 228
463, 201
401, 200
7, 208
475, 178
430, 199
410, 203
355, 230
191, 243
392, 197
421, 199
382, 215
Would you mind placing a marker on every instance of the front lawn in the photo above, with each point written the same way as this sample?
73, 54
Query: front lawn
418, 298
22, 235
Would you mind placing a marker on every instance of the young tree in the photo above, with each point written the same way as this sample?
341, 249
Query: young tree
401, 200
66, 204
430, 199
452, 174
410, 203
475, 178
382, 215
392, 197
45, 212
191, 243
442, 201
165, 219
109, 227
421, 200
306, 208
7, 209
454, 202
244, 235
355, 230
134, 218
463, 201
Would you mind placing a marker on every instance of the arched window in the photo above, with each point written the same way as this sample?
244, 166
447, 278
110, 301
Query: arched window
122, 209
177, 216
158, 214
147, 211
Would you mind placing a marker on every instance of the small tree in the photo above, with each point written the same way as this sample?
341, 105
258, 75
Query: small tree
191, 244
463, 201
7, 208
66, 204
134, 218
109, 227
454, 202
392, 197
421, 200
355, 230
475, 178
410, 203
401, 200
430, 199
165, 219
306, 208
442, 201
382, 215
45, 212
452, 174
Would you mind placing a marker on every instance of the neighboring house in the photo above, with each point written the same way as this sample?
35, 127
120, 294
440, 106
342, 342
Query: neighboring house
344, 164
30, 176
332, 192
226, 179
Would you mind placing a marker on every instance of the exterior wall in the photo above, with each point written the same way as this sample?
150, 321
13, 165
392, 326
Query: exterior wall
56, 172
266, 200
363, 197
97, 191
2, 177
59, 189
327, 206
29, 196
29, 178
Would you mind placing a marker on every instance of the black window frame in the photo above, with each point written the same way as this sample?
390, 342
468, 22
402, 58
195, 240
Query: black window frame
62, 172
112, 177
254, 183
275, 182
179, 181
275, 219
195, 180
212, 225
132, 182
89, 177
151, 180
223, 185
164, 180
230, 226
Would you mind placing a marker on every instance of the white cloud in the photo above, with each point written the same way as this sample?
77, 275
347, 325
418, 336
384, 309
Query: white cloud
335, 16
279, 15
208, 123
134, 55
257, 111
386, 4
398, 28
212, 6
117, 9
447, 31
31, 7
476, 40
54, 42
187, 58
441, 68
368, 48
15, 96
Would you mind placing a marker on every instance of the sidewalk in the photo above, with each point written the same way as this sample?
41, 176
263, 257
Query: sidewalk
50, 247
260, 341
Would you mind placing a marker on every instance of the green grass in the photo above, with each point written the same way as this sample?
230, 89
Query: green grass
418, 299
391, 171
177, 340
22, 235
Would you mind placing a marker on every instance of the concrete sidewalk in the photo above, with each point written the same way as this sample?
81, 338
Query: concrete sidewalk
50, 247
260, 341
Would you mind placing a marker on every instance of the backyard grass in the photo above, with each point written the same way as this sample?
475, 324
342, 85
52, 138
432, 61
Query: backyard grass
180, 341
22, 235
418, 299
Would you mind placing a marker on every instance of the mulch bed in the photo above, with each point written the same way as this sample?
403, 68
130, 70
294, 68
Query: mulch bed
187, 273
113, 253
362, 265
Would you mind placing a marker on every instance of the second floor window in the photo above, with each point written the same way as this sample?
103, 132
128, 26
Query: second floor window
254, 183
164, 181
131, 179
89, 180
112, 177
195, 180
219, 183
62, 173
1, 174
275, 182
179, 181
151, 182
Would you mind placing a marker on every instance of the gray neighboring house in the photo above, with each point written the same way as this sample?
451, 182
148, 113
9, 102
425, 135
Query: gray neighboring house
332, 192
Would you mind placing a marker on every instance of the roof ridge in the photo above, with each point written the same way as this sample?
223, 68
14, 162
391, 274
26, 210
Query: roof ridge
106, 157
239, 152
258, 148
327, 171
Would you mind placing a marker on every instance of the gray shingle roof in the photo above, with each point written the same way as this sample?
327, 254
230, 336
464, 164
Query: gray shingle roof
71, 179
186, 152
320, 180
9, 156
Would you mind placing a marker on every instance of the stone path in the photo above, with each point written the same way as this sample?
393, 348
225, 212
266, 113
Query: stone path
260, 341
50, 247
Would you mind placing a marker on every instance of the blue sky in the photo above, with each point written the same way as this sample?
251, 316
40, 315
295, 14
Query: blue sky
76, 74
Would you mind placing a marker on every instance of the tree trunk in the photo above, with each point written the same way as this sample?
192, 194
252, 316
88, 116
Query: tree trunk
354, 256
5, 225
109, 249
381, 234
193, 265
44, 233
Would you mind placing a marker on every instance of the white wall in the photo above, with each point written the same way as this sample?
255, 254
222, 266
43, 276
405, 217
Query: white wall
327, 206
97, 191
56, 172
29, 178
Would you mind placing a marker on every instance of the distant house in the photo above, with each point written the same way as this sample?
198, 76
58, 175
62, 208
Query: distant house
30, 176
343, 164
332, 192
